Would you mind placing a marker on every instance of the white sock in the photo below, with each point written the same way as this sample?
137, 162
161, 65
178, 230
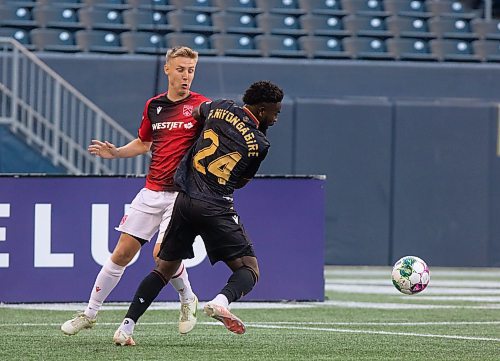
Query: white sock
127, 326
221, 300
105, 282
180, 281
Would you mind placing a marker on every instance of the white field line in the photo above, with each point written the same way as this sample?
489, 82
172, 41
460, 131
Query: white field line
304, 328
401, 306
258, 305
154, 305
376, 271
441, 283
373, 332
166, 323
459, 298
389, 289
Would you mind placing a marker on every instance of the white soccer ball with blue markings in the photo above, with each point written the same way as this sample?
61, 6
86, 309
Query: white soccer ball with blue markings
410, 275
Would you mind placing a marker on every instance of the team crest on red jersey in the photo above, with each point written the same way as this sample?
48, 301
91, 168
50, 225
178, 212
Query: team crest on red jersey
123, 219
187, 110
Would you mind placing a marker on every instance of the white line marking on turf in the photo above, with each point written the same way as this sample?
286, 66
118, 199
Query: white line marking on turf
256, 324
378, 271
154, 305
265, 325
460, 298
339, 330
387, 281
390, 289
400, 306
259, 305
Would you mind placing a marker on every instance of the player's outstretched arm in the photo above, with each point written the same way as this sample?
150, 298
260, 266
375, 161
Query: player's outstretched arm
108, 150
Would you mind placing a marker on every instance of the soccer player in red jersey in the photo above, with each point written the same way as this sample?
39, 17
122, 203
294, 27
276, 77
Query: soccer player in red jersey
168, 130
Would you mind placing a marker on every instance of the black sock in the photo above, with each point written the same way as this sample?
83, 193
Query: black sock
148, 290
239, 284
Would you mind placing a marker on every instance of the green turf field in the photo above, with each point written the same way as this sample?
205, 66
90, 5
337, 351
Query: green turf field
363, 318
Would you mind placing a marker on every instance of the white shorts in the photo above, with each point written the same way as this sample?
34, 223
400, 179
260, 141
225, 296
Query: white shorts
149, 212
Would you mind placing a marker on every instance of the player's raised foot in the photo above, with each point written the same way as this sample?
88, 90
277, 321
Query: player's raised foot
78, 323
187, 317
121, 338
222, 314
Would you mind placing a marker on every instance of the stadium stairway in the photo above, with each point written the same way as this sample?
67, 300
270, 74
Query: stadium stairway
16, 156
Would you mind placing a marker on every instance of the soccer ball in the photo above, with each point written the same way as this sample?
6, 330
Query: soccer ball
410, 275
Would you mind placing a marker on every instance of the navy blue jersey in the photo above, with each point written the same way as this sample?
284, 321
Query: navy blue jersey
229, 150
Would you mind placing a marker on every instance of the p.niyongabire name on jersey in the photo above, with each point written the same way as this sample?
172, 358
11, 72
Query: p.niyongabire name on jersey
231, 118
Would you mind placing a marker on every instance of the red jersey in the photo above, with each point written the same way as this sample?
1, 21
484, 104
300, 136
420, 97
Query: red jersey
172, 129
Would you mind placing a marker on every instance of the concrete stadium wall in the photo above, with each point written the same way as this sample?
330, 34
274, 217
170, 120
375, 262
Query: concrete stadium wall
409, 149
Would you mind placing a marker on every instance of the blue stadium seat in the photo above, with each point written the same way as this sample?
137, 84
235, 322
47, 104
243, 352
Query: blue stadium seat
141, 42
199, 42
290, 7
486, 29
409, 27
59, 40
450, 8
102, 19
325, 7
191, 21
16, 16
143, 19
21, 35
99, 41
452, 28
280, 24
322, 24
365, 7
243, 6
279, 46
373, 26
414, 8
240, 23
206, 6
235, 45
368, 48
454, 50
487, 50
324, 47
57, 17
411, 49
158, 5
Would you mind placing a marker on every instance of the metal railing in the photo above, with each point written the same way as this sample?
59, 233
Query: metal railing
55, 118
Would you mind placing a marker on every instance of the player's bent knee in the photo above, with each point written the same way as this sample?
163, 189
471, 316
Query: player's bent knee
252, 264
240, 283
123, 255
167, 268
254, 271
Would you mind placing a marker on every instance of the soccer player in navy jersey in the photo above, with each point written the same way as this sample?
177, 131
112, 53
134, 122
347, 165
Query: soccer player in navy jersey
168, 129
226, 156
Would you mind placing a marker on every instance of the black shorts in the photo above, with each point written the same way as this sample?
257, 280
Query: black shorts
219, 226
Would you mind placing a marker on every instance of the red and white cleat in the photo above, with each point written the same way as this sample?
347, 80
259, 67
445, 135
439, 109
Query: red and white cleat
222, 314
122, 338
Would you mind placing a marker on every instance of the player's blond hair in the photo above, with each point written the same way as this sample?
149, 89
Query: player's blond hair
181, 51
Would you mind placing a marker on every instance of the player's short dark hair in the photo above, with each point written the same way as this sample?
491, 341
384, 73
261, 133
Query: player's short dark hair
263, 92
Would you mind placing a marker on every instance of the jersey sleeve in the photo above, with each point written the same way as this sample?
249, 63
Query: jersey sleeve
205, 109
255, 165
207, 106
145, 132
